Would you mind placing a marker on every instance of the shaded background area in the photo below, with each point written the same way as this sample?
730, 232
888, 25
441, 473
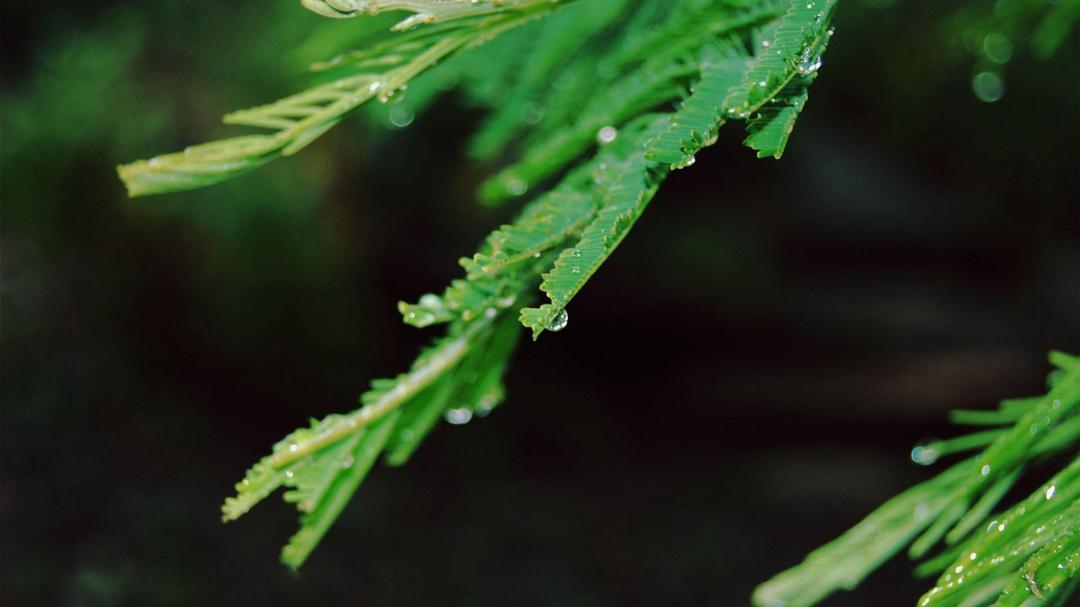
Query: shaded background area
740, 383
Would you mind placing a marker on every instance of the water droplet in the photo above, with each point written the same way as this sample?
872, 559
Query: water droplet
293, 447
606, 135
925, 452
395, 96
808, 63
347, 462
985, 470
485, 405
490, 313
559, 322
988, 87
401, 116
458, 415
374, 86
289, 474
505, 302
576, 253
766, 43
1050, 491
997, 48
690, 160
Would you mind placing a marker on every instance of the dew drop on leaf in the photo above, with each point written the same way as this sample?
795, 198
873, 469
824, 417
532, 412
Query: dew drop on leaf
606, 135
925, 452
988, 86
559, 322
458, 415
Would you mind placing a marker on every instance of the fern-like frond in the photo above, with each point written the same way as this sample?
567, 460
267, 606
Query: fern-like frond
1018, 550
382, 72
776, 83
623, 186
790, 47
699, 118
335, 494
325, 462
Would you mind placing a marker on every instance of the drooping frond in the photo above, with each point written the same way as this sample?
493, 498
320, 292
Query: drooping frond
1027, 550
335, 494
776, 82
623, 186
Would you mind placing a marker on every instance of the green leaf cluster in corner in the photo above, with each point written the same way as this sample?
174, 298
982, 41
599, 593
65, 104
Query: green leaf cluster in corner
1025, 552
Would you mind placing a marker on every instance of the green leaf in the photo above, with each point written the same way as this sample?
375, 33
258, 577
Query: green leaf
336, 494
381, 72
623, 186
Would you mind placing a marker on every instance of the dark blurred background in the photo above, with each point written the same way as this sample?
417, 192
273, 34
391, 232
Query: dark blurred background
740, 383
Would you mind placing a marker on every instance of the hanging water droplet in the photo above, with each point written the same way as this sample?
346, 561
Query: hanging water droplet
687, 162
559, 322
458, 415
997, 48
401, 116
925, 452
485, 405
395, 96
606, 135
808, 62
988, 87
